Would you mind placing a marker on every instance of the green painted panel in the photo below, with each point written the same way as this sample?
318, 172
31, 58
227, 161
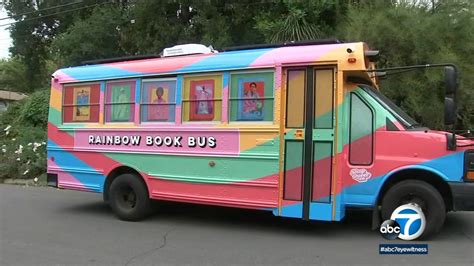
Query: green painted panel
324, 120
293, 154
54, 117
226, 169
323, 134
361, 118
322, 149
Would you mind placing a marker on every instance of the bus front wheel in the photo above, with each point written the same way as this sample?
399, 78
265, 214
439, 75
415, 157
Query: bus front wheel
129, 198
423, 195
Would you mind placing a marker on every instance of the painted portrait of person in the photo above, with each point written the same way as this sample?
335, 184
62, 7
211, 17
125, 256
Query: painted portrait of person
251, 105
120, 103
159, 110
202, 100
82, 101
158, 100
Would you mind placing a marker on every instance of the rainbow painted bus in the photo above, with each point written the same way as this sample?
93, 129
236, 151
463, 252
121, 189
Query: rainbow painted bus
299, 129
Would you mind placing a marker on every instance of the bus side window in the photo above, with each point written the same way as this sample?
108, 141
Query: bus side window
251, 96
202, 98
119, 101
81, 103
158, 100
361, 132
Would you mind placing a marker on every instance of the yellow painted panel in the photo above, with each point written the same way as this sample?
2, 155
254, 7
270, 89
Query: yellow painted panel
55, 100
295, 98
323, 97
249, 140
277, 103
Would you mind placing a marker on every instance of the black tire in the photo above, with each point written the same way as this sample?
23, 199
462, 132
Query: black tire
422, 194
128, 198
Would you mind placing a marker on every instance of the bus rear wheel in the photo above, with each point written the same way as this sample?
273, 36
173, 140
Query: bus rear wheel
129, 198
423, 195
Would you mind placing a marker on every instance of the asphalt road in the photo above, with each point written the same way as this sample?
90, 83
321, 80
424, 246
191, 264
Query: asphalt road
46, 226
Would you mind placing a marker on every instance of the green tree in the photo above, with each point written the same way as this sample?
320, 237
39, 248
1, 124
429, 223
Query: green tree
408, 34
158, 24
161, 24
37, 22
13, 75
95, 37
300, 20
229, 23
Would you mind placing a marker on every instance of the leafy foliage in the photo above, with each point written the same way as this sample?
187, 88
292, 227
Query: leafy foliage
95, 37
38, 23
34, 110
13, 75
300, 20
23, 137
422, 35
160, 24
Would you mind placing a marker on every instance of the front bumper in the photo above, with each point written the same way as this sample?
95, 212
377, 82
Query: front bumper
52, 180
463, 196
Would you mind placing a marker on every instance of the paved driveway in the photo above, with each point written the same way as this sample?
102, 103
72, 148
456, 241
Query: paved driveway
46, 226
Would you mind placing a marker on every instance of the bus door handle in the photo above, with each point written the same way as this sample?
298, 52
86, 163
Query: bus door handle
299, 134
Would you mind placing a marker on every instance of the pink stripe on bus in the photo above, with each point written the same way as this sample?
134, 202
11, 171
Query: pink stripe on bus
65, 180
225, 105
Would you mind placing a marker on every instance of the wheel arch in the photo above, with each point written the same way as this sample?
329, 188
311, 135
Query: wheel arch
426, 174
117, 171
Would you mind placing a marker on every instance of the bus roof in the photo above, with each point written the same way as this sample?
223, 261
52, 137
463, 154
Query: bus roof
232, 60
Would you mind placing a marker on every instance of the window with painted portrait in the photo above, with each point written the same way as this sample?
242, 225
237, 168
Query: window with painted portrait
81, 103
251, 96
202, 98
120, 101
158, 100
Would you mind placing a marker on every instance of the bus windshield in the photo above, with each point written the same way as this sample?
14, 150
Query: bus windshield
406, 120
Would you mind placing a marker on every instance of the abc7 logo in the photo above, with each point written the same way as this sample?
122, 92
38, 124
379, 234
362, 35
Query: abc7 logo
407, 223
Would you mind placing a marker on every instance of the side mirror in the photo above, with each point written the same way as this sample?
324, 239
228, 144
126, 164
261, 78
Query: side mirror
451, 79
451, 142
451, 82
449, 111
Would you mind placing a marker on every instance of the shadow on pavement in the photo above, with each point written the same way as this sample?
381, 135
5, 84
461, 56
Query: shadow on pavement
224, 217
356, 223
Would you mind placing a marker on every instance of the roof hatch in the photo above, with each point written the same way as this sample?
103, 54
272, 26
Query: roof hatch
187, 49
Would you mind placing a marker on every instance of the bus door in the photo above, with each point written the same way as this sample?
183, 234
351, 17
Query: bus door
308, 143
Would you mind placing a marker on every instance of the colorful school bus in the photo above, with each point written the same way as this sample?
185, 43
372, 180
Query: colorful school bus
300, 130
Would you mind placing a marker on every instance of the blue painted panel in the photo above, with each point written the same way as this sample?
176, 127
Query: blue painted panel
320, 211
91, 178
228, 60
179, 88
96, 72
449, 167
294, 211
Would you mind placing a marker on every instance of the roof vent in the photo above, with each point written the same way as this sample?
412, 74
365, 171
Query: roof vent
187, 49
